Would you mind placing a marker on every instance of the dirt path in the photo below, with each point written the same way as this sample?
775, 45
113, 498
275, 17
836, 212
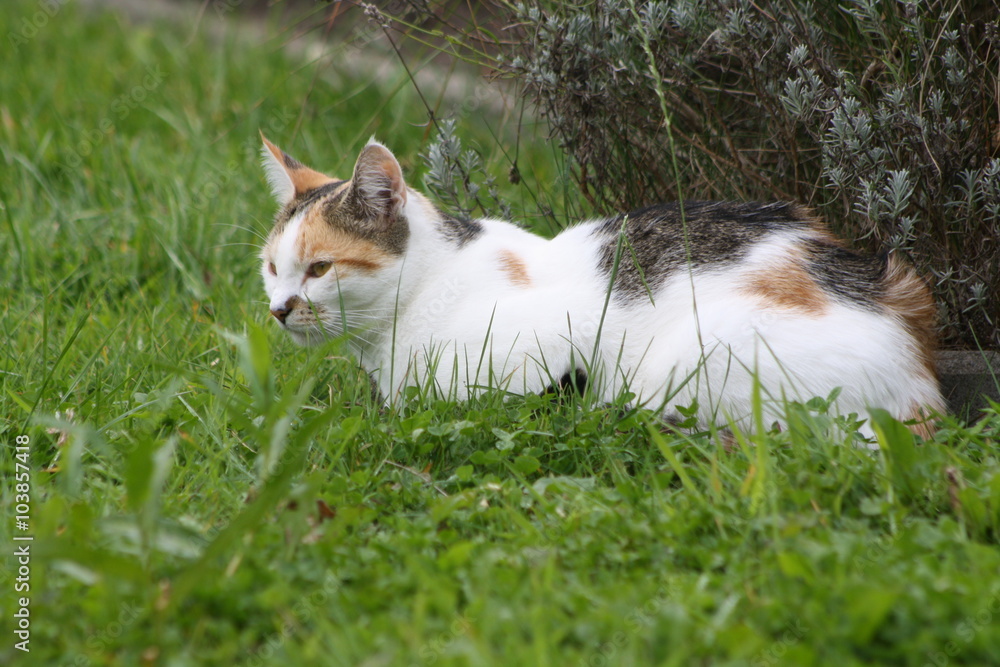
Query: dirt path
364, 51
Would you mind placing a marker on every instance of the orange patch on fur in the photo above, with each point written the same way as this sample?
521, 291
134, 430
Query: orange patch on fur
305, 179
789, 287
514, 267
360, 263
320, 240
908, 299
818, 229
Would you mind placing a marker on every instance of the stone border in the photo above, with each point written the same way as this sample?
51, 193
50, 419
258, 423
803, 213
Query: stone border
967, 378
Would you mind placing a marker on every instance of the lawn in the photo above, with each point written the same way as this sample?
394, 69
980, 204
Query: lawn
202, 492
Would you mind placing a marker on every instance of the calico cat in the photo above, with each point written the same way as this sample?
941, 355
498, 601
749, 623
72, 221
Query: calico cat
677, 303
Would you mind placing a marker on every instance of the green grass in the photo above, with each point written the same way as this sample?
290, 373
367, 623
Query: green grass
205, 493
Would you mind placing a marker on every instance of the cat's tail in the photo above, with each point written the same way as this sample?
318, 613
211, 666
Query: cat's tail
907, 298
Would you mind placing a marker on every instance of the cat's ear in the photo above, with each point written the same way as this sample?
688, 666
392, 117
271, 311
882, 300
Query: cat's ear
377, 188
288, 177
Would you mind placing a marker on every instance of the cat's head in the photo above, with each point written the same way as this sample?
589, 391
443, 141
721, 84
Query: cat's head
328, 261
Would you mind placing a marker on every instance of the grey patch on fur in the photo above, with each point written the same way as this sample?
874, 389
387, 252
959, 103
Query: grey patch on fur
342, 211
301, 203
460, 232
717, 233
847, 276
571, 382
375, 393
576, 381
309, 198
290, 162
347, 212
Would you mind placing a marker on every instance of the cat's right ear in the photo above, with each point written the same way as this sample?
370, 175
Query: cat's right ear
288, 177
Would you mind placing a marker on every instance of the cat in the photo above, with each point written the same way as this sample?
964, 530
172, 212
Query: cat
680, 304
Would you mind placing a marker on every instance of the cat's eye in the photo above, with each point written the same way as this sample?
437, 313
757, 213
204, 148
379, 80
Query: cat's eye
317, 269
272, 268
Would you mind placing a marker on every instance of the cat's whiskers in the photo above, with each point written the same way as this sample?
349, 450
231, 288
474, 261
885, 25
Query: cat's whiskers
369, 315
357, 328
350, 334
234, 243
257, 233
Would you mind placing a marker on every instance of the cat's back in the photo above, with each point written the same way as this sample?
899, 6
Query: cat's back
772, 242
716, 230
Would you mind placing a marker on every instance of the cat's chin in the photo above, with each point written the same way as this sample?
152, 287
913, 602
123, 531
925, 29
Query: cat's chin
307, 338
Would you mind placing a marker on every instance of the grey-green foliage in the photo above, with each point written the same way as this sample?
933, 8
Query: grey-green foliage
911, 145
881, 115
456, 177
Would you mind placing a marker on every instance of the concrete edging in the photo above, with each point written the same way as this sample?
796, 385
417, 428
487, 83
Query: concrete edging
967, 378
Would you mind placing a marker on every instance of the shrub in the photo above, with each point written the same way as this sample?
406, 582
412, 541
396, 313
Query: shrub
882, 116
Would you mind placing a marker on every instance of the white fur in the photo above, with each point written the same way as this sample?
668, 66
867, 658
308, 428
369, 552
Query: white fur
278, 179
287, 283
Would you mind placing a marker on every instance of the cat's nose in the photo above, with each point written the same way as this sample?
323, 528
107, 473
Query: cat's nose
281, 313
